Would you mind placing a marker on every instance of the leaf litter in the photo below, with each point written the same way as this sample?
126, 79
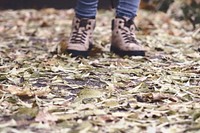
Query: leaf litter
41, 91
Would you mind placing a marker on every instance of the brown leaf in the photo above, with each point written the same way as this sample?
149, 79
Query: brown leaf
1, 87
19, 91
155, 97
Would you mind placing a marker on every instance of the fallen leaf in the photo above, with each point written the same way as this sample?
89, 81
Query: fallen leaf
89, 93
25, 113
45, 117
19, 91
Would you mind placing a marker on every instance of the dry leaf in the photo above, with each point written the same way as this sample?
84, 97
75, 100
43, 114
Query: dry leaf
30, 92
45, 117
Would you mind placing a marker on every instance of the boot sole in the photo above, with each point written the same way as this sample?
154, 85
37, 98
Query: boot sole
76, 53
126, 53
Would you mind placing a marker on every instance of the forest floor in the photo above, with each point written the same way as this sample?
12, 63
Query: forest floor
43, 90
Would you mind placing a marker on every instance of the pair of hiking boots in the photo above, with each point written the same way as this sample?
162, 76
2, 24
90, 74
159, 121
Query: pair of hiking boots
123, 41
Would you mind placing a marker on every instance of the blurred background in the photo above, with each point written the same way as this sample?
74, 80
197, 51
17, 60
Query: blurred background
38, 4
180, 9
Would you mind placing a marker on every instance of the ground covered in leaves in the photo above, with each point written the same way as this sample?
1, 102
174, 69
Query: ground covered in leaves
44, 90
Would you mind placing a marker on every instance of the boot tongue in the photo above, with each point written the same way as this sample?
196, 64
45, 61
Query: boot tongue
128, 23
83, 23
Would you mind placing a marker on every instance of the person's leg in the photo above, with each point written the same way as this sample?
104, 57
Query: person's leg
86, 8
123, 40
127, 8
81, 37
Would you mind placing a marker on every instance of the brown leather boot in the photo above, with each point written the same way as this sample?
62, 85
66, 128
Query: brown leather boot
81, 38
123, 41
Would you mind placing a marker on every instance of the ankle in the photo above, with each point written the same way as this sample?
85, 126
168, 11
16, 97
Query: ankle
85, 17
125, 17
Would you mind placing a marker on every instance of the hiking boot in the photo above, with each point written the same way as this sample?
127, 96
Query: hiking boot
81, 38
123, 41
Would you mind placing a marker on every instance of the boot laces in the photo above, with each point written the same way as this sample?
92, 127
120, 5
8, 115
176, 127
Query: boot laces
80, 34
128, 33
